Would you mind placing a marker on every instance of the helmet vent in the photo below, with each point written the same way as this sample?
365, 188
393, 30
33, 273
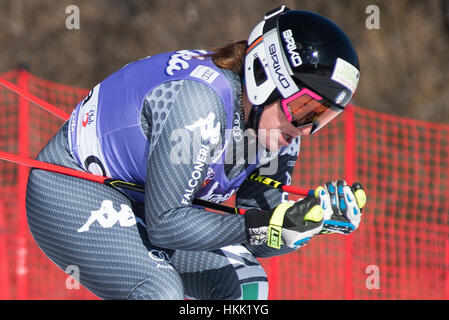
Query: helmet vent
259, 72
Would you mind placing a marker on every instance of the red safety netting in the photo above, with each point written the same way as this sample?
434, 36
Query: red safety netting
400, 251
24, 130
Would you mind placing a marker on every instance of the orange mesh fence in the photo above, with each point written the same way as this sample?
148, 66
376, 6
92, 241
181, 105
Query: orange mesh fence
400, 251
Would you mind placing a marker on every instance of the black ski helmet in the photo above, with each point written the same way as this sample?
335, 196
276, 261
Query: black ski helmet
294, 49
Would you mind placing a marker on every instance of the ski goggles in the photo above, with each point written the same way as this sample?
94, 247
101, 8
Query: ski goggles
307, 109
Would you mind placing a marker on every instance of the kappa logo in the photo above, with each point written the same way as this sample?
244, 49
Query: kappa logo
107, 217
217, 197
208, 129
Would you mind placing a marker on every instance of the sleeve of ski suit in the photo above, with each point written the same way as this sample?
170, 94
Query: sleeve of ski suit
177, 167
257, 195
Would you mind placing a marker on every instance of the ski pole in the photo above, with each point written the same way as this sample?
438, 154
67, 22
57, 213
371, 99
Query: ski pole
80, 174
278, 185
36, 100
104, 180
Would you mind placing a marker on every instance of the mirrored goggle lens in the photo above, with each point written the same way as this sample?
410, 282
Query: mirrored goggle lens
305, 110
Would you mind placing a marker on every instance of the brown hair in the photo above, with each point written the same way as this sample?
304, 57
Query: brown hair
230, 56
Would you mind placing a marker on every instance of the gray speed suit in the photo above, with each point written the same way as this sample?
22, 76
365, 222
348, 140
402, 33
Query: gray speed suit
157, 245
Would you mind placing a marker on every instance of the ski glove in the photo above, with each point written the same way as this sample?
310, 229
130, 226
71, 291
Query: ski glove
342, 206
291, 224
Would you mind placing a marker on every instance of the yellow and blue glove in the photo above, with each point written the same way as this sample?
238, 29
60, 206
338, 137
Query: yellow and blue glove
291, 224
342, 206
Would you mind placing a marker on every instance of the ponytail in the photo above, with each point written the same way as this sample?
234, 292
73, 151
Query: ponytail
230, 57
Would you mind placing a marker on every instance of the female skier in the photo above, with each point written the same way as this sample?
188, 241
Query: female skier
195, 124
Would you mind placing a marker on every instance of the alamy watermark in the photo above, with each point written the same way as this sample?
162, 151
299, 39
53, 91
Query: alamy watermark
72, 21
372, 22
190, 147
373, 280
72, 281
